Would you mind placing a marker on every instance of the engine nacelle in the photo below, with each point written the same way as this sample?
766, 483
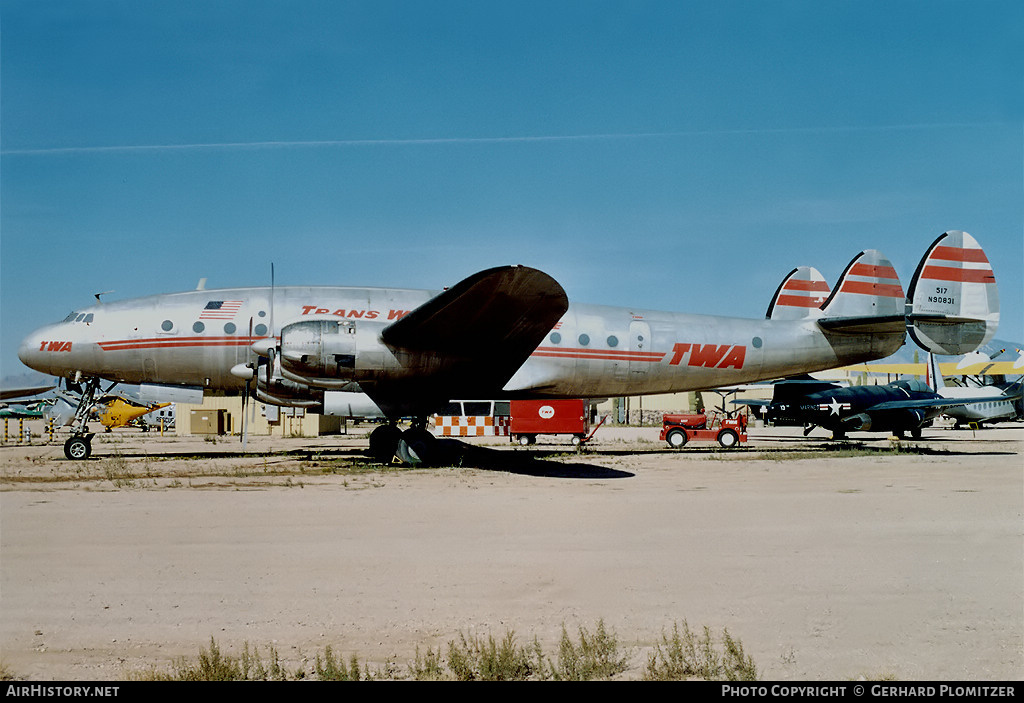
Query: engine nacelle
350, 405
319, 348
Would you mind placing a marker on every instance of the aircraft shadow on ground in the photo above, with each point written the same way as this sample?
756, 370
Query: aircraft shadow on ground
453, 454
530, 462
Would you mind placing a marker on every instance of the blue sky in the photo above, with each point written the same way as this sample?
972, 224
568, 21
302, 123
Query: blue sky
670, 155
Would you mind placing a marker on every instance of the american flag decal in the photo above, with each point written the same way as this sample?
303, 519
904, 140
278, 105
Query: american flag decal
220, 310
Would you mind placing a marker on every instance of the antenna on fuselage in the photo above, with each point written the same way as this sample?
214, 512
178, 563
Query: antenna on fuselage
97, 295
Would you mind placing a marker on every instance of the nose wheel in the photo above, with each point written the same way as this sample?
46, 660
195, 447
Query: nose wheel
78, 448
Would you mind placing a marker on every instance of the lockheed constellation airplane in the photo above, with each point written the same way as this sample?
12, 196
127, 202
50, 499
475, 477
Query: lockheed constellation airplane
506, 332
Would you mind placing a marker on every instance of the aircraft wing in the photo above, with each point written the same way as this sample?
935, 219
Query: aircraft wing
485, 326
927, 403
10, 393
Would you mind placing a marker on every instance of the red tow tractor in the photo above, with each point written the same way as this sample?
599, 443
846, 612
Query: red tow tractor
677, 430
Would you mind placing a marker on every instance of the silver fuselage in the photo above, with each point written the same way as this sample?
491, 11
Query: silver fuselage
594, 351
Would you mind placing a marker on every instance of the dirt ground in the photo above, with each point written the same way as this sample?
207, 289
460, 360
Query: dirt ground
825, 564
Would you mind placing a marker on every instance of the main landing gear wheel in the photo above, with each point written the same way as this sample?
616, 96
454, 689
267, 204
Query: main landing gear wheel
384, 442
78, 448
417, 446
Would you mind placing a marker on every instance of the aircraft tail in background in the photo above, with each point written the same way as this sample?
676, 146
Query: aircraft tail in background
933, 374
800, 295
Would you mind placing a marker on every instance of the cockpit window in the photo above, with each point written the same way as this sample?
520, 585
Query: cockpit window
79, 317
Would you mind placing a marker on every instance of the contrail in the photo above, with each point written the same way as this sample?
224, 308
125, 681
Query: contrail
128, 148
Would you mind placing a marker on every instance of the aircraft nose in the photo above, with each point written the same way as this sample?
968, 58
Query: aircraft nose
31, 353
26, 348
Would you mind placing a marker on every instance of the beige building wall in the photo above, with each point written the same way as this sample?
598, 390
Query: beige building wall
292, 422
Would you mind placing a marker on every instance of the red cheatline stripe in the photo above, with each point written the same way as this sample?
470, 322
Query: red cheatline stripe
958, 254
815, 286
860, 269
882, 290
598, 354
798, 301
950, 273
168, 342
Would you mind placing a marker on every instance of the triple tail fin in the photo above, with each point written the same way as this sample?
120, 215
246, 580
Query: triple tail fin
868, 299
953, 302
799, 296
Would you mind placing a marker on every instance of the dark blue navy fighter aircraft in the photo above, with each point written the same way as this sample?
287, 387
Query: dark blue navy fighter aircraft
899, 407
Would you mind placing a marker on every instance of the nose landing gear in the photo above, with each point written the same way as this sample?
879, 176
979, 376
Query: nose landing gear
79, 445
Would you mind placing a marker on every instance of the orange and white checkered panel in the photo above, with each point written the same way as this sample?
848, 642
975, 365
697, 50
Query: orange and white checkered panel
471, 426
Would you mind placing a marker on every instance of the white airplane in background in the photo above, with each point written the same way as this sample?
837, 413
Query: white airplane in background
997, 402
506, 332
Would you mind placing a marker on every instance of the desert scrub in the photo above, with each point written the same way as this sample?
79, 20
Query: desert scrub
593, 656
212, 665
477, 659
597, 656
330, 668
686, 656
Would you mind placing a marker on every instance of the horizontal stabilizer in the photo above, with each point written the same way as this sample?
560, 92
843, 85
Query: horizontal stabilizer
953, 302
800, 295
868, 299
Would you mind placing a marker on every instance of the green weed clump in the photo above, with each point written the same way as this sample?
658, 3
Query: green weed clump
596, 656
477, 659
212, 665
331, 669
687, 656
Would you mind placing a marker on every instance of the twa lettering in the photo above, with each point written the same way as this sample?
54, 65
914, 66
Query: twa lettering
364, 314
721, 356
55, 346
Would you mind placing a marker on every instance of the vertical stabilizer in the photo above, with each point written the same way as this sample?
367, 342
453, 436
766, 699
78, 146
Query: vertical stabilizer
933, 374
800, 295
867, 298
953, 302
